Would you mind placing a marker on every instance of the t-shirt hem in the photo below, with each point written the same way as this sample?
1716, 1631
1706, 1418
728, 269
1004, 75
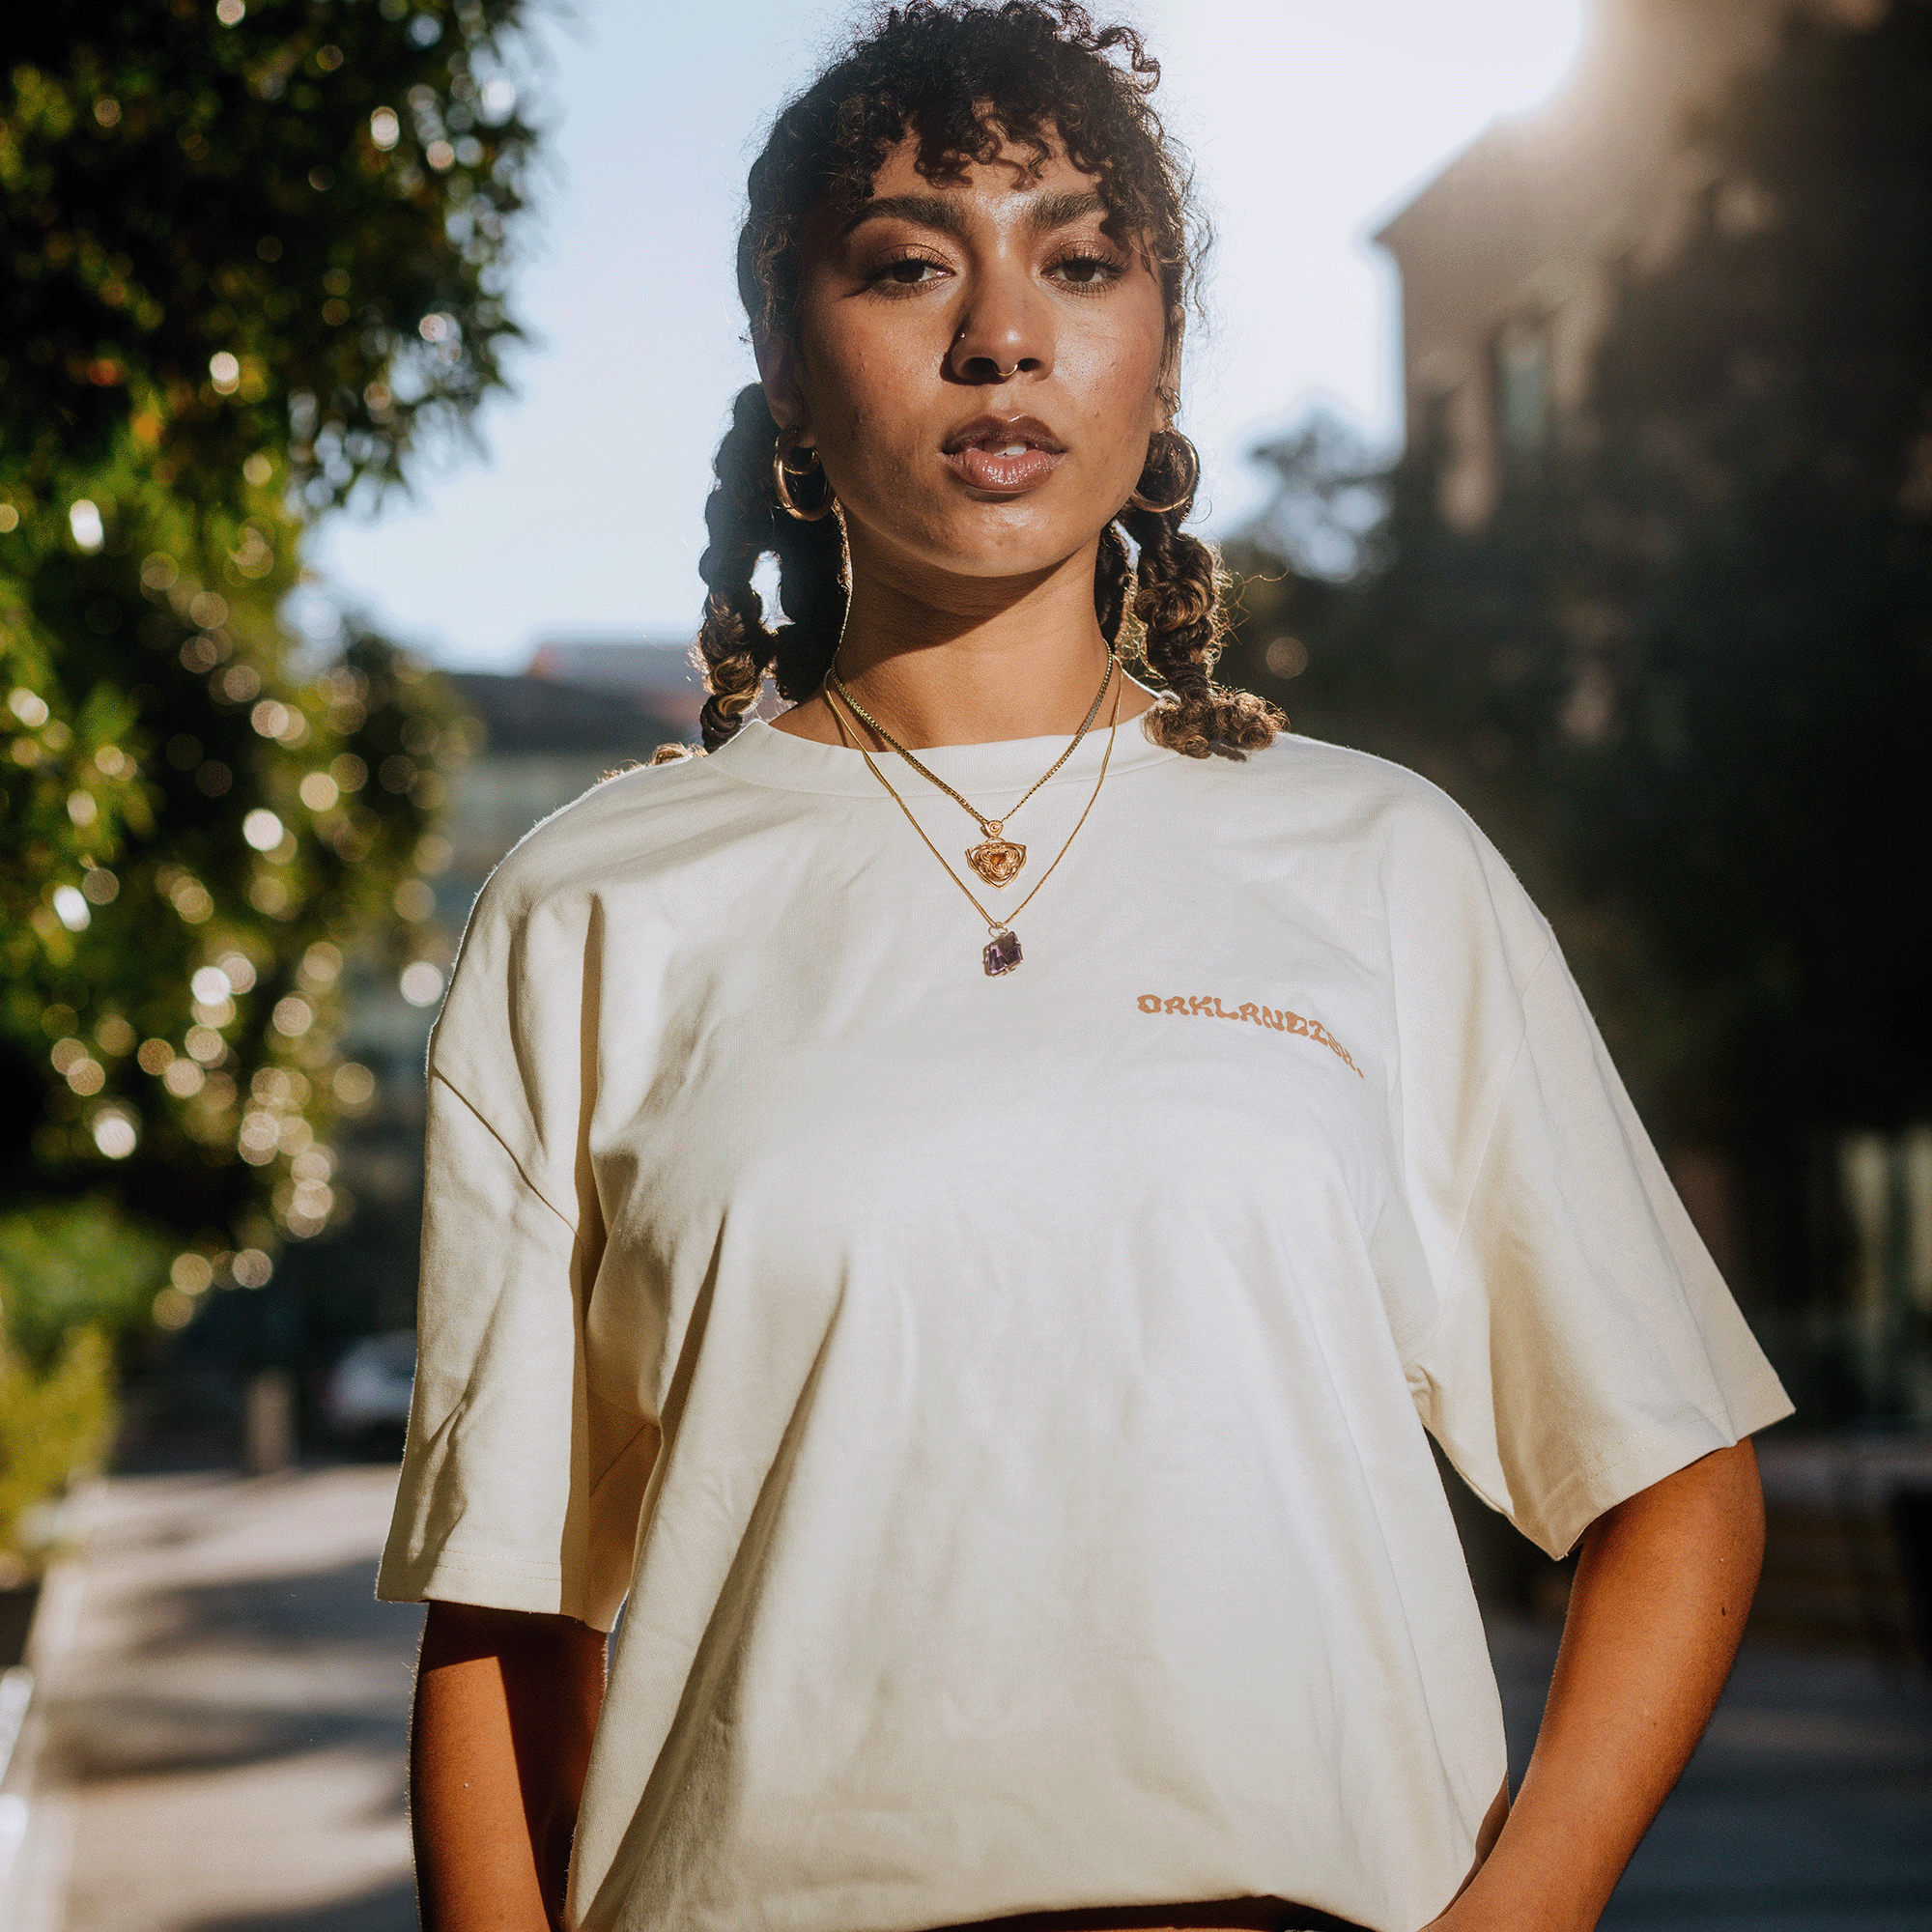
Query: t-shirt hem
1647, 1457
490, 1583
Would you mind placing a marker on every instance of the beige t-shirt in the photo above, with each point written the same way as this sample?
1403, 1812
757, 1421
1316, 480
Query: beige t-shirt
1045, 1516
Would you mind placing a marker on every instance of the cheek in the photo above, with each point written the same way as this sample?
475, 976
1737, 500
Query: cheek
1117, 384
868, 402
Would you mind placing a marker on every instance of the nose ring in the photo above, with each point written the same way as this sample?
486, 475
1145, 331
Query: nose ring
1005, 375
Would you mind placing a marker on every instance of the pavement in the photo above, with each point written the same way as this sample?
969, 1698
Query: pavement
217, 1740
221, 1713
1806, 1808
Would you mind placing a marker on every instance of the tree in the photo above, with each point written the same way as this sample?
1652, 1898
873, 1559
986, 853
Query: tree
1683, 673
1758, 517
273, 233
257, 254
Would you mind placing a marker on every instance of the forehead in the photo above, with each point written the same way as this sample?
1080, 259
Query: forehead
1017, 168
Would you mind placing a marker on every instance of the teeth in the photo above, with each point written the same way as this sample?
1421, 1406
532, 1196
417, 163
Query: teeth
1013, 449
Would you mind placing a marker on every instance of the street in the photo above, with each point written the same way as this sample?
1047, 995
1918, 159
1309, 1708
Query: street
223, 1709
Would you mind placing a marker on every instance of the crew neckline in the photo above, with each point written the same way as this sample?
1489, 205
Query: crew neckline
762, 755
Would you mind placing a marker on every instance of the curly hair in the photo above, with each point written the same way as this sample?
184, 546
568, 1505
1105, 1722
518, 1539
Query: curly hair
965, 78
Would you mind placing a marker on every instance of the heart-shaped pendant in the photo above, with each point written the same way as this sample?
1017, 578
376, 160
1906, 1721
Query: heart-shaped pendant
998, 860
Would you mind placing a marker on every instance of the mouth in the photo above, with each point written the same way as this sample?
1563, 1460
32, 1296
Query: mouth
1004, 457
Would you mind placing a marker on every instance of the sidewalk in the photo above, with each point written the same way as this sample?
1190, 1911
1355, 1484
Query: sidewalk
1807, 1808
223, 1716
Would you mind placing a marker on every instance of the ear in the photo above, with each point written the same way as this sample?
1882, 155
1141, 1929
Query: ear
777, 372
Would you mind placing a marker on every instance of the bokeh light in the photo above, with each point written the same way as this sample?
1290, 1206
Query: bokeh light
293, 1016
115, 1132
253, 1268
354, 1086
183, 1079
83, 519
173, 1309
262, 829
210, 985
422, 983
192, 1273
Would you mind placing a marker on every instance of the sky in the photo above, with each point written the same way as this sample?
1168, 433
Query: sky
578, 513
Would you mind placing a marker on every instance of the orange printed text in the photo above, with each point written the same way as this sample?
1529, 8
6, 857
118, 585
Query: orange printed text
1202, 1005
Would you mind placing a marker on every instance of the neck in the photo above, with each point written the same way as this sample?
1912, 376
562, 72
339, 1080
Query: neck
971, 661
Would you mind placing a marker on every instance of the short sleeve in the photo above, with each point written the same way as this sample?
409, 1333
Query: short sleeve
522, 1486
1585, 1345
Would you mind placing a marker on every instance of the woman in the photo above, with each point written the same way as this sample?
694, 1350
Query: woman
960, 1203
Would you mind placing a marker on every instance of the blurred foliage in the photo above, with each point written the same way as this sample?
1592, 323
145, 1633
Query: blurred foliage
1684, 672
282, 239
256, 253
56, 1424
71, 1265
189, 802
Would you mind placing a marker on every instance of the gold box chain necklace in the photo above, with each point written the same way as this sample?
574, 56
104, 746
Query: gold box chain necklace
1001, 952
999, 859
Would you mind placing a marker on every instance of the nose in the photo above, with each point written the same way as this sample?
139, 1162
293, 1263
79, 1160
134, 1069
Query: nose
1003, 333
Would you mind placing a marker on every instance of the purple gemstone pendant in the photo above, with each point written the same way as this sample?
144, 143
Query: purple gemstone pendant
1002, 955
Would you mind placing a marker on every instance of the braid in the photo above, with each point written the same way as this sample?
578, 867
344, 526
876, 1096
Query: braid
735, 647
1179, 585
1111, 575
813, 592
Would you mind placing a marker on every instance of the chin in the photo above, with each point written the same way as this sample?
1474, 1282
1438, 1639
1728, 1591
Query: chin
1015, 535
1010, 554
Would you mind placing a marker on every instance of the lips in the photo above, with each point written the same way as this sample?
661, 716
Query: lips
1003, 455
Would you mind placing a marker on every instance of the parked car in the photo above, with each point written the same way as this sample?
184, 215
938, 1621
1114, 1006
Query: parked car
365, 1398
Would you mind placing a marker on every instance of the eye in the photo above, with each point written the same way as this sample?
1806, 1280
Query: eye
906, 271
1086, 271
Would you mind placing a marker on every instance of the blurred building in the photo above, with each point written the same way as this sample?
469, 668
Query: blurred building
655, 677
1507, 261
543, 737
1506, 257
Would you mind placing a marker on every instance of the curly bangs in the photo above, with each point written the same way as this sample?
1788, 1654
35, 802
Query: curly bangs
965, 80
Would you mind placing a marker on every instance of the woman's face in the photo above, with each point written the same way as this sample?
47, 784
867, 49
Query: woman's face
979, 366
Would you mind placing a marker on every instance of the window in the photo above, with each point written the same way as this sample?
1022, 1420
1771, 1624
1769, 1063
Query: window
1522, 362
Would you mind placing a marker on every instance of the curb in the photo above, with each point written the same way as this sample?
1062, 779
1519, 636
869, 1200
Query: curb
35, 1822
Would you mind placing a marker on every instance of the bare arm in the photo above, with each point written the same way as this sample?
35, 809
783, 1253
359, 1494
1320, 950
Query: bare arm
505, 1706
1663, 1587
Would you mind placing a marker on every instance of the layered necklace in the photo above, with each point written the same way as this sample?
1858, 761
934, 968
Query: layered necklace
1001, 950
998, 859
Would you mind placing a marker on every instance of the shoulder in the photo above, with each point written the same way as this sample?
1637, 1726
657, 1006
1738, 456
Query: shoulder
1352, 798
1396, 837
617, 841
518, 972
1346, 780
610, 833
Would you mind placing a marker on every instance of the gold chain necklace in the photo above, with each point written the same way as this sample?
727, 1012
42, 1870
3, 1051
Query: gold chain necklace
996, 861
1001, 952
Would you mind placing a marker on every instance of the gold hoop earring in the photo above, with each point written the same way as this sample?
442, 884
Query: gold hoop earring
781, 480
1192, 464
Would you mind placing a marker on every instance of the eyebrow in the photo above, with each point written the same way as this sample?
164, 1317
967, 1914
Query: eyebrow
943, 211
